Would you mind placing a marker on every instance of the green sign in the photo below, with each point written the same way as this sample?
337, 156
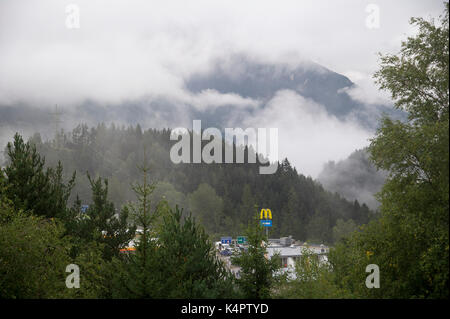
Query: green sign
241, 240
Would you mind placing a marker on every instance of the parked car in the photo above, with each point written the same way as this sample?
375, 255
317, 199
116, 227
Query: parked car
226, 252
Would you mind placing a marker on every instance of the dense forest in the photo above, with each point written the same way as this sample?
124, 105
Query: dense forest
220, 196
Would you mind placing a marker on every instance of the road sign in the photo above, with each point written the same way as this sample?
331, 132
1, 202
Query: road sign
266, 222
225, 240
241, 240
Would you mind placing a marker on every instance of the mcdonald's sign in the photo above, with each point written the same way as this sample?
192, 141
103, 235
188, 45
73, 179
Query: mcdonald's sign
267, 213
266, 217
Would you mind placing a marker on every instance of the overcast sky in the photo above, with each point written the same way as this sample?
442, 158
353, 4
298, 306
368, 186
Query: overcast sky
124, 50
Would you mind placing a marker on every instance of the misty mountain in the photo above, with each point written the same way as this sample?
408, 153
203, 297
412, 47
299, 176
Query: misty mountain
355, 178
258, 80
261, 81
238, 75
255, 83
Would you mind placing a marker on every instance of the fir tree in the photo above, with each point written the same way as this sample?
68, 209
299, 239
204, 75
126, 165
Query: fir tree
30, 186
258, 273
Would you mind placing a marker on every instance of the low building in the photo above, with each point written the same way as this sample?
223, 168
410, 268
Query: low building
289, 255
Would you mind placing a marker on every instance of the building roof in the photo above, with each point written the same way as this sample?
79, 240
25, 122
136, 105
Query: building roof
285, 251
293, 251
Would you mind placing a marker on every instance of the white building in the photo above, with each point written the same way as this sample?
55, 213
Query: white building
291, 254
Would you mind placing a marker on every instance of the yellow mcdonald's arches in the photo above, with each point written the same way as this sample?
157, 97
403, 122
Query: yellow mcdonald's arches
265, 212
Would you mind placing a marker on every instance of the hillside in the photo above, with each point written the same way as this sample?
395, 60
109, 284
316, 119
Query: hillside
354, 178
222, 196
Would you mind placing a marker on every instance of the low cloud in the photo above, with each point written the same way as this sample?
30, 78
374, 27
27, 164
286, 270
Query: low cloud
139, 54
354, 178
129, 50
366, 90
210, 99
308, 135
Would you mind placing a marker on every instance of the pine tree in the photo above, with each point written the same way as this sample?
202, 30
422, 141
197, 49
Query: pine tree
187, 262
257, 275
174, 257
30, 186
101, 223
138, 270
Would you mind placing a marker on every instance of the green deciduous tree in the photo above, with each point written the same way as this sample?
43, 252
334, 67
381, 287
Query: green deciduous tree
415, 197
314, 279
33, 256
410, 241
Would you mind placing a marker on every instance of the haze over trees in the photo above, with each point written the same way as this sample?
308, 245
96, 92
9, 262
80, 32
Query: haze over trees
355, 178
220, 196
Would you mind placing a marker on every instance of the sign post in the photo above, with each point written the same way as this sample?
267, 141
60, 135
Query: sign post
266, 219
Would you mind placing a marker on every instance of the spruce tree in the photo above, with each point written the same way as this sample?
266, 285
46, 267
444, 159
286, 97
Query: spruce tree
258, 273
101, 222
30, 186
187, 261
137, 271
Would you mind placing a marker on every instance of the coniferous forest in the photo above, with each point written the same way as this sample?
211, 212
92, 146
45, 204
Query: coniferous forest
71, 205
221, 196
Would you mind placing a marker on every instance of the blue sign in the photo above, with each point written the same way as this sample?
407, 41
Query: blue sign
84, 208
266, 222
225, 240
